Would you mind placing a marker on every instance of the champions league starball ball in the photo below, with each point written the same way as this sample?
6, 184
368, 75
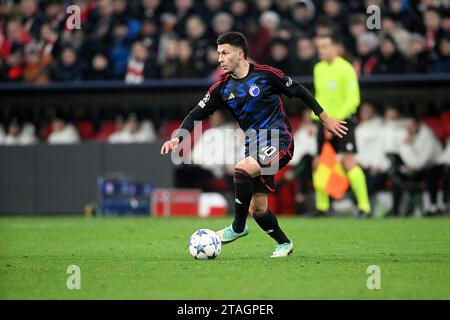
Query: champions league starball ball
204, 244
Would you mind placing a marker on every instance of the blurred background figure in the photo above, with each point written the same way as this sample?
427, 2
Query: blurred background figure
305, 58
213, 155
69, 68
133, 130
418, 164
17, 135
300, 166
370, 153
390, 59
37, 69
63, 132
137, 64
444, 160
99, 68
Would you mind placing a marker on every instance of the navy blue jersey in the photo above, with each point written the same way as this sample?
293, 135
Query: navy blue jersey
255, 102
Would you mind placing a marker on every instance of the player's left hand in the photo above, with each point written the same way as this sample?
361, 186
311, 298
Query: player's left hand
337, 127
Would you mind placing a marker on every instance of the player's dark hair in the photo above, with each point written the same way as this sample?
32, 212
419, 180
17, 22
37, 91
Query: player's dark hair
235, 39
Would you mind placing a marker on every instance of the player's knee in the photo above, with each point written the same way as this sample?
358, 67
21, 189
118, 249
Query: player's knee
241, 176
257, 210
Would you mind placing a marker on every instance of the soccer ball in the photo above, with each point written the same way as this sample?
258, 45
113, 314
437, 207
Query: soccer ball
204, 244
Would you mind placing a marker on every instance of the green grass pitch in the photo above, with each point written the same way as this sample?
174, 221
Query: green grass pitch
146, 258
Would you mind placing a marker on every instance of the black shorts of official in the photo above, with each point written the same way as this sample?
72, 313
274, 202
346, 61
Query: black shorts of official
347, 144
278, 156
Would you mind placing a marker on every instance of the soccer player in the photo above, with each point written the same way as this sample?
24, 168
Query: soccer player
252, 93
337, 90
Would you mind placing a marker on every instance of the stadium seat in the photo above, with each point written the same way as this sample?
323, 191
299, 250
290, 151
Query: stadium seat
169, 127
45, 131
86, 130
283, 202
445, 123
295, 122
108, 127
435, 124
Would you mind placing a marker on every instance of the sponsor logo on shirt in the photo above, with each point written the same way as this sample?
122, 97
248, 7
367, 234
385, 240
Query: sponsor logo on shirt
203, 102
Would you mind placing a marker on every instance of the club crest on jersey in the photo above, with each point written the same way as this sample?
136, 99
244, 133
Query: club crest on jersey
254, 90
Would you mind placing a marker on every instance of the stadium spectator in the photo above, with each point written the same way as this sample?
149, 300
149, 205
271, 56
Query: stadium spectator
401, 12
140, 66
264, 5
420, 58
442, 64
389, 59
242, 14
280, 57
444, 160
333, 10
305, 58
199, 41
323, 27
221, 137
305, 140
2, 134
303, 13
211, 67
151, 9
63, 132
419, 154
270, 20
119, 121
394, 29
186, 64
431, 20
259, 41
16, 135
30, 18
120, 46
169, 66
183, 10
134, 131
149, 36
370, 148
366, 58
70, 67
12, 38
13, 67
357, 27
221, 23
99, 68
37, 65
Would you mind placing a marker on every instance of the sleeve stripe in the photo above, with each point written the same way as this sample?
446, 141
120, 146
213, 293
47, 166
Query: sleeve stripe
215, 85
275, 71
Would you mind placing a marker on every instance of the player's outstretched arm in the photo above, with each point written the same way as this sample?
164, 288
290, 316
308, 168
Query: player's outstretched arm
170, 145
336, 127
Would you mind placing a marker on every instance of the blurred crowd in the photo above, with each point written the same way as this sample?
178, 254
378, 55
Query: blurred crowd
143, 39
411, 156
407, 155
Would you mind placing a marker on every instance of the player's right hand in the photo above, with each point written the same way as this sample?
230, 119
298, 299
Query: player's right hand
169, 145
